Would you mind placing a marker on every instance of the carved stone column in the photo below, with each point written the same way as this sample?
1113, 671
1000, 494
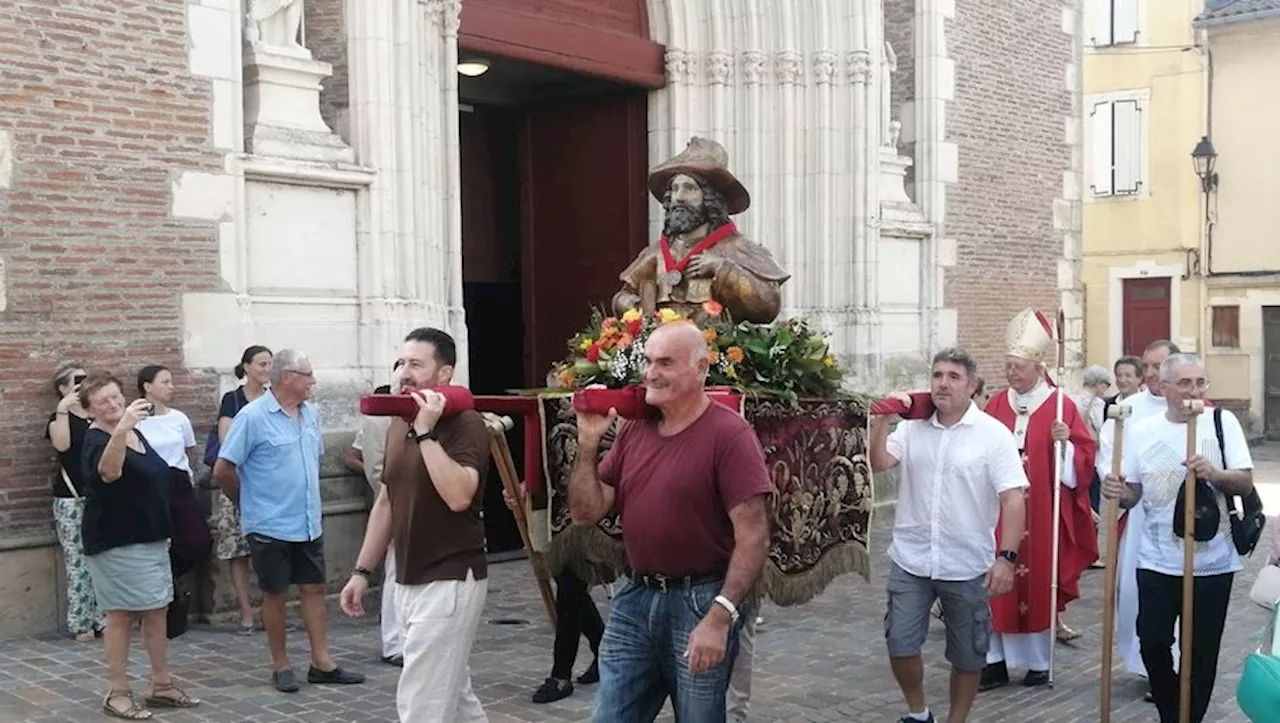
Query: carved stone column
791, 96
404, 123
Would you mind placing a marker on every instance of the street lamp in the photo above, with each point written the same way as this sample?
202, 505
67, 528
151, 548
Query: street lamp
1204, 157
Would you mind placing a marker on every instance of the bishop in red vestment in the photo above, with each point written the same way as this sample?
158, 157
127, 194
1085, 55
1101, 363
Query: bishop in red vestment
1021, 620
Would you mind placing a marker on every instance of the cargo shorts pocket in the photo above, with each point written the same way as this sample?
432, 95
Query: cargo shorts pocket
982, 630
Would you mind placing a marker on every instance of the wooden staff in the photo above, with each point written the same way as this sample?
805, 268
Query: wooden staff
501, 453
1059, 456
1194, 408
1117, 412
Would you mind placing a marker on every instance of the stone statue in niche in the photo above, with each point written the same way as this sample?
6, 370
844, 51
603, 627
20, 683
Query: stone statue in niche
701, 256
276, 23
887, 68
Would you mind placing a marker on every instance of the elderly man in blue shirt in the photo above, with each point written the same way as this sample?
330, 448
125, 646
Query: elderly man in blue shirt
269, 466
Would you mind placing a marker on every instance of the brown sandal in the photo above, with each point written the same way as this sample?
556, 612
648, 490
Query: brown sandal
133, 712
181, 700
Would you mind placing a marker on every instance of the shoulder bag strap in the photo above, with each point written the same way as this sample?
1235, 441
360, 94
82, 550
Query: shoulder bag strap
66, 479
1222, 450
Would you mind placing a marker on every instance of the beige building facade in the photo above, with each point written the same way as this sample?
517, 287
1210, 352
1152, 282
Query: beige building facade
1239, 260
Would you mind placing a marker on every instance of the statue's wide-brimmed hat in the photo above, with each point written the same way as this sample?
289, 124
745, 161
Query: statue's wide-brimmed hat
705, 158
1030, 336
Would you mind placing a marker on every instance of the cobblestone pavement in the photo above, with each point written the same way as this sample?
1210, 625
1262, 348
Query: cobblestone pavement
824, 661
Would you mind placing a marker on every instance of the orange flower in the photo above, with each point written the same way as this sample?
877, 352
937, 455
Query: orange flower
709, 335
713, 356
713, 307
735, 354
624, 341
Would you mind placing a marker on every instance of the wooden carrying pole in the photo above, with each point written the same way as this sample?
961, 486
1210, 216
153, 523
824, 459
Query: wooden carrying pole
501, 454
1059, 456
1193, 407
1117, 412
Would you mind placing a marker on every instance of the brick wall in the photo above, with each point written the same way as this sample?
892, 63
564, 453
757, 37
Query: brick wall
104, 116
1008, 119
327, 40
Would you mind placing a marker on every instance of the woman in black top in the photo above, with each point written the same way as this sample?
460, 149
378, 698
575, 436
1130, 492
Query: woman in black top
126, 531
65, 432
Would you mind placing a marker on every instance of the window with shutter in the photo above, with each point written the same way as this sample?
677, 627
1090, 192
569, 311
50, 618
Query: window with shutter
1124, 21
1098, 15
1101, 141
1126, 147
1115, 139
1226, 326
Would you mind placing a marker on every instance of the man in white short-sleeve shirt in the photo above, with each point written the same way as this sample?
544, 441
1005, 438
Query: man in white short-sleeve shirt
959, 473
1154, 473
366, 457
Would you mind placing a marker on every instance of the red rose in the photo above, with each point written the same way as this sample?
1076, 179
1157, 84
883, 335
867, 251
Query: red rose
593, 353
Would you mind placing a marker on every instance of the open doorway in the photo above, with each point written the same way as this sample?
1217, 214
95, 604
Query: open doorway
554, 207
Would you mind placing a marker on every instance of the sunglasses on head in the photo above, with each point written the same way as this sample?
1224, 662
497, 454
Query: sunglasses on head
76, 379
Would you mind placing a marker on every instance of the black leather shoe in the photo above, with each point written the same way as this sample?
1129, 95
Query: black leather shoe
995, 675
553, 690
1036, 677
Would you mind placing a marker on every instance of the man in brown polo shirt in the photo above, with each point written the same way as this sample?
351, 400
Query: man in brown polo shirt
430, 507
691, 489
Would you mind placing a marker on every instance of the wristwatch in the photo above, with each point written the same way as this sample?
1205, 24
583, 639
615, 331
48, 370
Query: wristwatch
1010, 555
364, 572
430, 434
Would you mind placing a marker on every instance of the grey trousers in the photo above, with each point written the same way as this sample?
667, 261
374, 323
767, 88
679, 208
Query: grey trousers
739, 694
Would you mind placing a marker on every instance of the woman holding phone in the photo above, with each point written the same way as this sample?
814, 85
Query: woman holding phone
65, 432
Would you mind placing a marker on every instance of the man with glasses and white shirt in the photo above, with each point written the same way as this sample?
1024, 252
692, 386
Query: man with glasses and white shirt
960, 472
1155, 470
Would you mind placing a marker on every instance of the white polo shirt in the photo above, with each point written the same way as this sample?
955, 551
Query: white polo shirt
949, 486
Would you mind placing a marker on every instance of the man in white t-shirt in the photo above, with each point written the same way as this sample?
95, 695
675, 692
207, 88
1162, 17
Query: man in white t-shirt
960, 471
1145, 403
366, 457
1154, 472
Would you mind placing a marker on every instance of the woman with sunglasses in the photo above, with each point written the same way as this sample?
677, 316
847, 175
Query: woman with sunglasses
65, 431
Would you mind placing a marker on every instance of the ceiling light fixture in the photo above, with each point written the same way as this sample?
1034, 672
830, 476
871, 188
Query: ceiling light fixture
473, 67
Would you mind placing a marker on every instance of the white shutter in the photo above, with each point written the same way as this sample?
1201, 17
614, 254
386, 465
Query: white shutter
1100, 147
1097, 13
1128, 147
1125, 18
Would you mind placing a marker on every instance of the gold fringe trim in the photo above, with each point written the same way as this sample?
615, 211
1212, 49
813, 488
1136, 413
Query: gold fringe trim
799, 588
588, 552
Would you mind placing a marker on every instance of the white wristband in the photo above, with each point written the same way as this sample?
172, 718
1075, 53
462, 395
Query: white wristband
727, 604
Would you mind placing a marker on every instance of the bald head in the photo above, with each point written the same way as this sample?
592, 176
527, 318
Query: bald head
675, 370
680, 339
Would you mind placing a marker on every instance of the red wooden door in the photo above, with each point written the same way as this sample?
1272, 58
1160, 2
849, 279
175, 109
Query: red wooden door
584, 208
1146, 312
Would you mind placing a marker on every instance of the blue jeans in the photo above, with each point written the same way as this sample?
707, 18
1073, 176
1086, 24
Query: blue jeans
642, 657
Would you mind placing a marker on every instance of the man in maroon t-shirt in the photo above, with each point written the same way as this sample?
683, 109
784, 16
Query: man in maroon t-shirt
691, 489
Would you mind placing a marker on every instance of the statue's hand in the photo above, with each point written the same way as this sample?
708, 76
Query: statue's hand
704, 266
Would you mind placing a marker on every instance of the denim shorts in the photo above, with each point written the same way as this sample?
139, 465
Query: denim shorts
964, 606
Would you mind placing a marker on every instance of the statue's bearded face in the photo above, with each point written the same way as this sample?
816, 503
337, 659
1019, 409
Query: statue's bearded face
690, 203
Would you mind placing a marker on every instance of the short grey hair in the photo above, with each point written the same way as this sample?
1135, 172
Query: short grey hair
956, 355
1097, 374
285, 360
1177, 360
